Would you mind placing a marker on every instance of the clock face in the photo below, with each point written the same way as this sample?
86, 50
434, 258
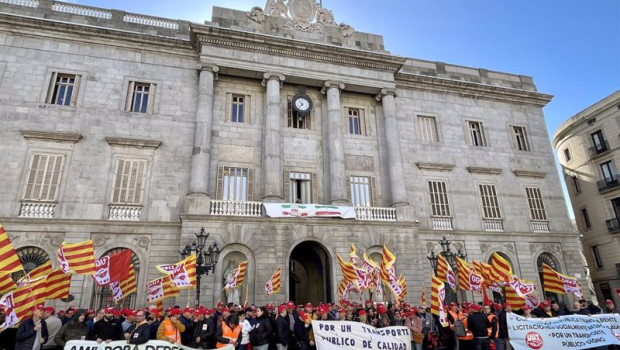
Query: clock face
302, 104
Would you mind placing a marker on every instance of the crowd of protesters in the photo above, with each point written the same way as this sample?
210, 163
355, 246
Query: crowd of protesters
287, 326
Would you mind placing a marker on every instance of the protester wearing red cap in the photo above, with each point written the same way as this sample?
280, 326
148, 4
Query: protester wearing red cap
610, 307
502, 339
282, 328
170, 328
109, 328
302, 332
478, 324
414, 323
53, 327
32, 331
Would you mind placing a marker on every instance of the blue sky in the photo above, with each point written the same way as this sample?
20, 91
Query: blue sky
570, 47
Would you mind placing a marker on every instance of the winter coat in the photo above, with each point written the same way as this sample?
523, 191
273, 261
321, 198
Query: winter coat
26, 335
141, 334
282, 330
73, 330
261, 334
205, 330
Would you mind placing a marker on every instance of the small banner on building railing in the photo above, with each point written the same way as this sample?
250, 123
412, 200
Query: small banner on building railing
288, 210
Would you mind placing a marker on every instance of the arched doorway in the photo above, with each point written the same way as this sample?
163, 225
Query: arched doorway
549, 260
102, 296
309, 274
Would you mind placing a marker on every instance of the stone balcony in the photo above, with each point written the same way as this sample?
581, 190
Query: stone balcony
375, 214
124, 212
40, 210
441, 224
493, 225
236, 208
540, 226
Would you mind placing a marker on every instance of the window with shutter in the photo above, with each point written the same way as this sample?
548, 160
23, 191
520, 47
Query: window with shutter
490, 204
427, 129
129, 180
233, 184
440, 207
535, 203
360, 187
44, 177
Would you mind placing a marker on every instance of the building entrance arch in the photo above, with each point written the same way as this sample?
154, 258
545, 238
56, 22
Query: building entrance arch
309, 274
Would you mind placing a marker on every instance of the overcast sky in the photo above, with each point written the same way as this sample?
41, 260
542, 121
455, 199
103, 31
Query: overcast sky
570, 47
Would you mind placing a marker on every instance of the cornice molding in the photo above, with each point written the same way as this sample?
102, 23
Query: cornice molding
138, 143
529, 173
484, 170
54, 136
471, 89
434, 166
255, 42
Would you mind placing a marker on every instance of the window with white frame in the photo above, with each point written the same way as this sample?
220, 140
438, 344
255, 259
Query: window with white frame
129, 181
440, 206
360, 191
356, 121
235, 184
519, 136
44, 176
476, 134
535, 203
490, 204
300, 188
427, 129
295, 119
63, 89
237, 109
140, 97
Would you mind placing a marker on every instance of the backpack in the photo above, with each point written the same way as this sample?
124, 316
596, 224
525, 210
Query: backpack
459, 328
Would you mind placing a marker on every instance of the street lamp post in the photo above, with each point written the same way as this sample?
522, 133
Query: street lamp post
206, 257
449, 256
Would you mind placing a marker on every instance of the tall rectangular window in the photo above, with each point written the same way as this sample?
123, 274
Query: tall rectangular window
535, 203
234, 184
300, 188
600, 145
355, 121
297, 120
238, 109
490, 204
609, 171
360, 191
476, 134
44, 177
597, 256
140, 97
63, 89
427, 129
576, 184
586, 218
520, 138
129, 180
567, 156
440, 207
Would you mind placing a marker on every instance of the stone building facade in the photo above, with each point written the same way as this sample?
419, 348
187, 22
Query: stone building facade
587, 146
137, 131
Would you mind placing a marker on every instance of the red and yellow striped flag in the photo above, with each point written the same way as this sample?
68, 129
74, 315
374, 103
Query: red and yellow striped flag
354, 258
387, 265
445, 272
242, 269
348, 271
36, 273
125, 287
6, 283
9, 261
273, 285
403, 285
78, 258
57, 284
18, 305
512, 298
484, 270
463, 272
423, 296
556, 282
161, 288
438, 294
501, 271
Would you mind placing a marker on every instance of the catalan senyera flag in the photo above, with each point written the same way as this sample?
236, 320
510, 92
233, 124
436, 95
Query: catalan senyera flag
273, 285
484, 270
423, 295
36, 273
57, 284
463, 272
445, 272
513, 298
78, 258
403, 285
236, 279
348, 271
501, 270
438, 294
556, 282
9, 261
344, 288
37, 288
122, 289
183, 273
6, 283
18, 305
388, 272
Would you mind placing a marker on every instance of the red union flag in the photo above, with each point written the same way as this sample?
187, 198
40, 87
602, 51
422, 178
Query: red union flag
102, 270
113, 267
155, 290
521, 288
475, 281
9, 309
183, 273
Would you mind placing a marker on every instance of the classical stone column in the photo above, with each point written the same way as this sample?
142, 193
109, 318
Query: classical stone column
337, 181
272, 138
198, 200
398, 189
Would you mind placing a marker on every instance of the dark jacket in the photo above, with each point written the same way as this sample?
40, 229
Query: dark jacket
141, 334
502, 323
154, 328
186, 335
105, 330
73, 330
478, 324
205, 330
301, 335
261, 335
26, 335
282, 330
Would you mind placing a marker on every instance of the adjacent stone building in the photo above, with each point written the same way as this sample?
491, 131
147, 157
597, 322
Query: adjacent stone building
587, 145
136, 132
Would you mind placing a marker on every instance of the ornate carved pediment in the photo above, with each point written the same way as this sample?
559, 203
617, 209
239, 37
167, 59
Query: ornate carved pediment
302, 15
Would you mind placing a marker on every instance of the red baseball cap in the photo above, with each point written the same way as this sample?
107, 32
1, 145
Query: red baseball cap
220, 304
290, 305
269, 306
175, 311
507, 304
309, 305
362, 312
303, 315
608, 301
281, 308
50, 309
109, 310
526, 307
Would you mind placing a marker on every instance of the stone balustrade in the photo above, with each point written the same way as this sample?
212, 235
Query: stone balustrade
236, 208
125, 212
42, 210
493, 225
81, 10
540, 226
375, 214
442, 224
151, 21
27, 3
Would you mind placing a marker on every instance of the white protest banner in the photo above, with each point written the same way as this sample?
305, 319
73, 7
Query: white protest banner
338, 335
573, 332
122, 345
287, 210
